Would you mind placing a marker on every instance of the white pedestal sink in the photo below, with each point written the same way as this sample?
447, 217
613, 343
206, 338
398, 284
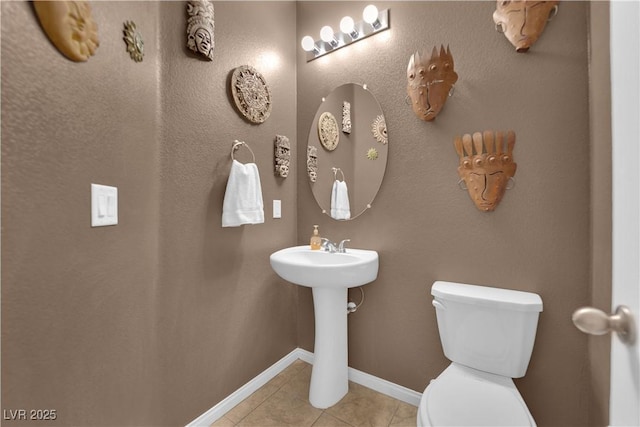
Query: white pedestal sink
329, 275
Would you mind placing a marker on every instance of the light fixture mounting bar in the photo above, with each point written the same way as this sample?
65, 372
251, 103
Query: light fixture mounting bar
344, 39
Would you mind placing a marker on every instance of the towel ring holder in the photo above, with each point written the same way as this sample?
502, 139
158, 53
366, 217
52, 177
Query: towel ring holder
236, 146
335, 173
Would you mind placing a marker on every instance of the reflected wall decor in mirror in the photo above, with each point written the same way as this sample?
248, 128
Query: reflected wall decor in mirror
349, 176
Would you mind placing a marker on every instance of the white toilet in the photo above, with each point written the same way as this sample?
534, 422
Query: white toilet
488, 335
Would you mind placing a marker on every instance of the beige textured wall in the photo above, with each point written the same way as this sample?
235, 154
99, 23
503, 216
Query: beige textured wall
426, 229
223, 314
153, 321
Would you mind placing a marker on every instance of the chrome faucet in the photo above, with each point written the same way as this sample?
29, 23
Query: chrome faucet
332, 248
341, 247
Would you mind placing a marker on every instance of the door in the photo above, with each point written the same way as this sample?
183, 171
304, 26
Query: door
625, 104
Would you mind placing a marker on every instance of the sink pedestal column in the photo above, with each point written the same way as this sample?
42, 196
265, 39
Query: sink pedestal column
329, 376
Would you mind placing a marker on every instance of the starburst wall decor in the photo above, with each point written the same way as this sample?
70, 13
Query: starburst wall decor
133, 39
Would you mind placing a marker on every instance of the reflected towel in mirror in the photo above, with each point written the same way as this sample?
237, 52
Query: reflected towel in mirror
340, 201
243, 196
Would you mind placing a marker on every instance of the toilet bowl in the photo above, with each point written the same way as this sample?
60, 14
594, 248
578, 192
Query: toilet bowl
488, 334
463, 396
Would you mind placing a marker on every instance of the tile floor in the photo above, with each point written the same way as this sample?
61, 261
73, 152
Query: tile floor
284, 401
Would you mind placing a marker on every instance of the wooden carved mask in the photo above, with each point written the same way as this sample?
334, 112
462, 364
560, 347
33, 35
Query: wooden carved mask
523, 21
430, 80
70, 27
486, 166
200, 27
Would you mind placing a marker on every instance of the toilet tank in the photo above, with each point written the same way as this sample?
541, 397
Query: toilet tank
485, 328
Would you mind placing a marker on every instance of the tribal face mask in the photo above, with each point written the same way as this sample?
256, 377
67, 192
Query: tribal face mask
430, 80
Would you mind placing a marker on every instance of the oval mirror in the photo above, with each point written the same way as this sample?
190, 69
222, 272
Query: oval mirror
347, 151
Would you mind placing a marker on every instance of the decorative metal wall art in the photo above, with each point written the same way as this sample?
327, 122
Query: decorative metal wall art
346, 117
70, 27
486, 166
430, 80
312, 163
282, 151
523, 21
200, 26
328, 131
372, 154
379, 129
251, 94
133, 39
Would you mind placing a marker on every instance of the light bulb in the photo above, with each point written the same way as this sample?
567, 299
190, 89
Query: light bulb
370, 14
326, 34
347, 25
308, 43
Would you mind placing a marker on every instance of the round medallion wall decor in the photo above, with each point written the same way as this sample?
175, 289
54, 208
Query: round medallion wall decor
328, 131
251, 94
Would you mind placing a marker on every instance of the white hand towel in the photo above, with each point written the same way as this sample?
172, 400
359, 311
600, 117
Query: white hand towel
243, 196
340, 201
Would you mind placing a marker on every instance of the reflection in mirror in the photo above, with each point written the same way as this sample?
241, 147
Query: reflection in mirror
348, 173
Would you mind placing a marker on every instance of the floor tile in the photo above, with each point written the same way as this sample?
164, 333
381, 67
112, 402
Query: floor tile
298, 385
405, 416
242, 409
364, 407
290, 372
327, 420
284, 402
223, 422
281, 409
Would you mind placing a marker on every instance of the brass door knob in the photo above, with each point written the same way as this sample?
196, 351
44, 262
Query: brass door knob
592, 321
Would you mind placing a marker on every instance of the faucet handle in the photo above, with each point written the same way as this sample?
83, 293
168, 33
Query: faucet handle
341, 247
327, 245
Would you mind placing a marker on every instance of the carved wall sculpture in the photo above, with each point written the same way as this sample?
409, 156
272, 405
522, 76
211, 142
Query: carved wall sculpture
430, 81
200, 26
486, 166
346, 117
312, 163
133, 39
379, 129
523, 21
282, 151
328, 131
251, 94
70, 27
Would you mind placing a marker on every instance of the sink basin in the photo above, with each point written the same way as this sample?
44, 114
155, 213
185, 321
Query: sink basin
302, 266
329, 275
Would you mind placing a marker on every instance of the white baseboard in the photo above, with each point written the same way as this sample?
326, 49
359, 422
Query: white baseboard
378, 384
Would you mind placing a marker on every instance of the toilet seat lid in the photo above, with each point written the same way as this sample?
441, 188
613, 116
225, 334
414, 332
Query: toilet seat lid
462, 396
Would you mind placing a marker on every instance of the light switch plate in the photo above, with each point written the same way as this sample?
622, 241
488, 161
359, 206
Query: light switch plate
104, 205
277, 209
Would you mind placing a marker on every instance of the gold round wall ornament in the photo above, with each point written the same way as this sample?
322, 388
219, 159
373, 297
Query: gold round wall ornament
328, 131
251, 94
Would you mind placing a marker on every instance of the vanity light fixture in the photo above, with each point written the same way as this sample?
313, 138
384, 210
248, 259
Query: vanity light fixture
373, 22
